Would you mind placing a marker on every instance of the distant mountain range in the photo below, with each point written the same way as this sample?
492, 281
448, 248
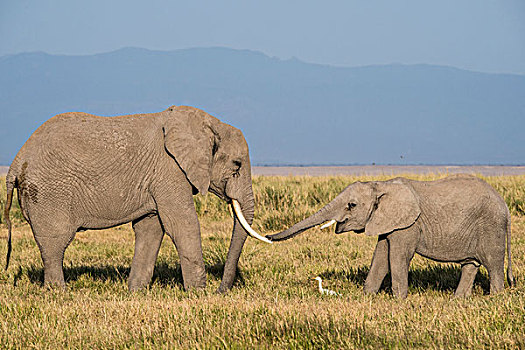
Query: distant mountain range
291, 112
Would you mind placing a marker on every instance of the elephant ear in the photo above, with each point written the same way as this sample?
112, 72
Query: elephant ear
190, 140
396, 208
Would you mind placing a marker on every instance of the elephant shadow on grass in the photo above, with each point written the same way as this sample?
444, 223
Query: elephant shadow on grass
441, 278
164, 275
115, 273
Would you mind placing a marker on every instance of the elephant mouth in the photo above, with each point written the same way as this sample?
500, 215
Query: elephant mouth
219, 194
235, 207
344, 227
340, 227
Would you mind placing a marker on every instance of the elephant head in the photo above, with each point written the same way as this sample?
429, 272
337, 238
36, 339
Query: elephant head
371, 207
214, 157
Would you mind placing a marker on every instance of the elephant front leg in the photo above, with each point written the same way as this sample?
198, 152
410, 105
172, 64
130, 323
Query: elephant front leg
148, 238
182, 225
379, 267
401, 252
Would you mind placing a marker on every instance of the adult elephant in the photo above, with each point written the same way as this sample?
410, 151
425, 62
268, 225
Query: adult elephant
79, 171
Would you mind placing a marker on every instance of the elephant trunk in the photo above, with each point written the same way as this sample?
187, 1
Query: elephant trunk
246, 202
324, 214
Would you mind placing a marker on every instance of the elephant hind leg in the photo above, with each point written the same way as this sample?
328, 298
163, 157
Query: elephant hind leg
468, 274
496, 281
52, 239
497, 276
494, 261
148, 238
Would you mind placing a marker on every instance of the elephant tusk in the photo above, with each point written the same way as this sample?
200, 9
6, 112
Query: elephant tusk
244, 223
230, 210
328, 224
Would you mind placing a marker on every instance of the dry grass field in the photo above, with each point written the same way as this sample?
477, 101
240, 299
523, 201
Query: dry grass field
274, 304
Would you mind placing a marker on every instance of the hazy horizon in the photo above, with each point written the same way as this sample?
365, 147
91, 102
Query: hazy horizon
478, 36
259, 52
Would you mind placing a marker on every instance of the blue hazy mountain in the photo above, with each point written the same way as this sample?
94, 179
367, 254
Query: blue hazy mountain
291, 112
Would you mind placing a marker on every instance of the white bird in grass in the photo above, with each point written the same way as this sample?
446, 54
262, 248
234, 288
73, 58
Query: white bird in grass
323, 290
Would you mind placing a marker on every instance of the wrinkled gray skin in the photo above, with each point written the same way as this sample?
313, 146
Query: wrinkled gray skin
79, 171
457, 219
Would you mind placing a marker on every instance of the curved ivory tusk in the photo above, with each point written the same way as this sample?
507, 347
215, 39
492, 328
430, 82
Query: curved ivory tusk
328, 224
244, 223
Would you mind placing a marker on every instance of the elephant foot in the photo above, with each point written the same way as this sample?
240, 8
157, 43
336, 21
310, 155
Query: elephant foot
369, 291
136, 286
400, 294
372, 285
461, 295
55, 285
54, 279
223, 290
194, 280
139, 278
197, 287
193, 274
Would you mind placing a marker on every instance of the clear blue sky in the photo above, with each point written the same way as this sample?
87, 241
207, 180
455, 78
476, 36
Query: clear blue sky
480, 35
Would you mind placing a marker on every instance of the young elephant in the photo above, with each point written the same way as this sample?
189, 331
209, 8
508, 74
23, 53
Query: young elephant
457, 219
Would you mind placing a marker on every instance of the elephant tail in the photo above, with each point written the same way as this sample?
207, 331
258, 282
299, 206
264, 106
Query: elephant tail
11, 184
510, 277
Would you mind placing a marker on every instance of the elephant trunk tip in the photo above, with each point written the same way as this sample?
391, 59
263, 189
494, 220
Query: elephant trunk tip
281, 236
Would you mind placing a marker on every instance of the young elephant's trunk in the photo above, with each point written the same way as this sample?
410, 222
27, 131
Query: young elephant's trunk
324, 214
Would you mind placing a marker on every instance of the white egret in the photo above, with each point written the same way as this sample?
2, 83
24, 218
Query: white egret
324, 290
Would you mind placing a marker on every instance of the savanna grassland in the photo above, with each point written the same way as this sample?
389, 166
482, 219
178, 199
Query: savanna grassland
275, 302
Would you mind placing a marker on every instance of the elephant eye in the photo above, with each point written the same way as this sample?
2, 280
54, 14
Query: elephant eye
214, 149
237, 167
350, 206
